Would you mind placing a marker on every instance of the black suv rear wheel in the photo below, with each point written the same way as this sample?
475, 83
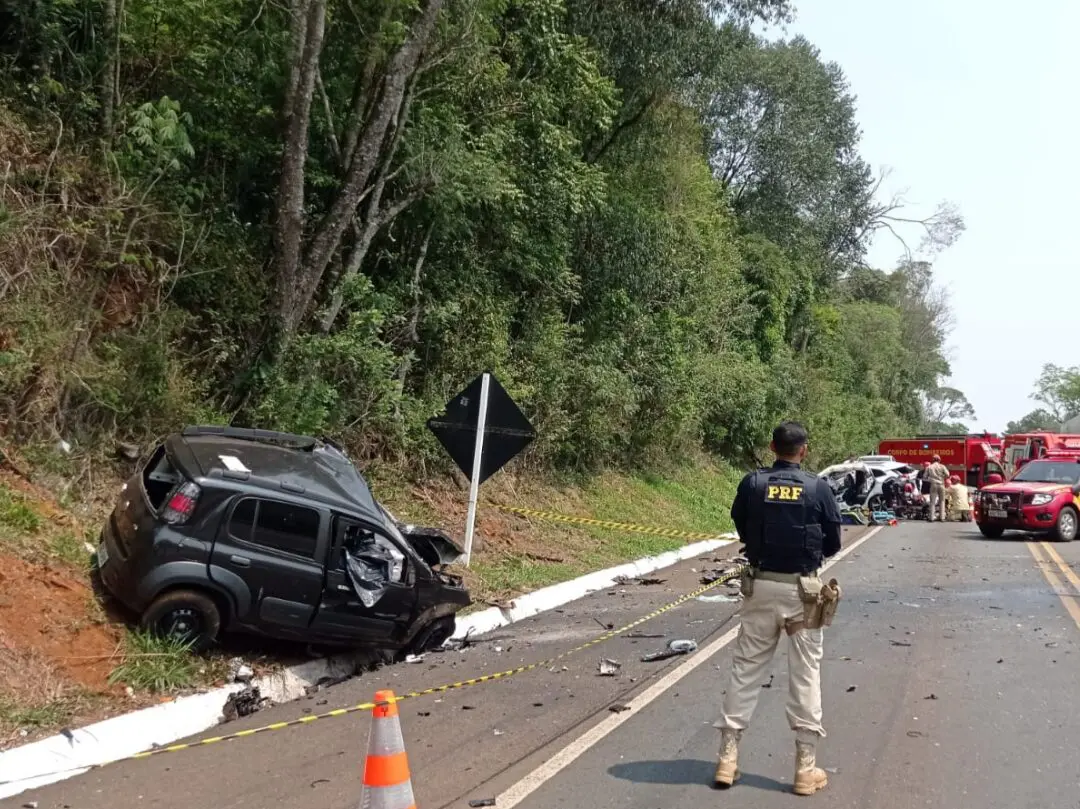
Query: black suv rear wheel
186, 616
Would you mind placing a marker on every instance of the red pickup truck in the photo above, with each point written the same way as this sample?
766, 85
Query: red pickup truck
1043, 497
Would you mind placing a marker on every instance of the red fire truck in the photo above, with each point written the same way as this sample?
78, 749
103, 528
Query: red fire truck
1019, 448
974, 457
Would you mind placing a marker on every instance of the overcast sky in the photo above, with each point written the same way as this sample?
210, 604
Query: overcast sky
976, 102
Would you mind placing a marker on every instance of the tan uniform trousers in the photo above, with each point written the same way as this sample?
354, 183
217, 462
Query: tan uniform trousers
937, 501
764, 618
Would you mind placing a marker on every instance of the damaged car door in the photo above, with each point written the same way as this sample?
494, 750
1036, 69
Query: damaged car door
370, 593
268, 554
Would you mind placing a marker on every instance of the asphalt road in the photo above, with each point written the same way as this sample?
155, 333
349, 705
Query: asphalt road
949, 678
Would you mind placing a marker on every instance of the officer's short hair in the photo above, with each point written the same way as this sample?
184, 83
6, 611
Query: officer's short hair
789, 437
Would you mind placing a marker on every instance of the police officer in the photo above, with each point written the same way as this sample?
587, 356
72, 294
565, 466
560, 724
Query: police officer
788, 520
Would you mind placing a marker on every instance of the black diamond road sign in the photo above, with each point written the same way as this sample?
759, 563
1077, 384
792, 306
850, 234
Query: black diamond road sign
506, 433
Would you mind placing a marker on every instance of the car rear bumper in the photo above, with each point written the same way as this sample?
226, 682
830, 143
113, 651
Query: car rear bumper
119, 574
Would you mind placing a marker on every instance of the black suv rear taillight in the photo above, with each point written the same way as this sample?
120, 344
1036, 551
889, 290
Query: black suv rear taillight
181, 504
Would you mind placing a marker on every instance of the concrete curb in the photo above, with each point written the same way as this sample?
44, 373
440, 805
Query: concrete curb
60, 757
548, 598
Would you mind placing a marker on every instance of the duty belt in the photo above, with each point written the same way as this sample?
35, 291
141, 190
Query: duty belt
784, 578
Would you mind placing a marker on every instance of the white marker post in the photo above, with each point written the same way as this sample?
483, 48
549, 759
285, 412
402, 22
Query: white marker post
478, 457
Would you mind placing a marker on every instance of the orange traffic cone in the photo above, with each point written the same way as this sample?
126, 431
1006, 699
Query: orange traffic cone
387, 784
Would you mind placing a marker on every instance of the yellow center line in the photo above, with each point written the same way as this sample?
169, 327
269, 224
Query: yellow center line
1070, 574
1048, 571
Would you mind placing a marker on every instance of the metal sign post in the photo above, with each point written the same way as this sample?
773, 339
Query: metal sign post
478, 457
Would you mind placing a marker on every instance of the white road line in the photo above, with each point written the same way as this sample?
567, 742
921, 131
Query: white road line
565, 757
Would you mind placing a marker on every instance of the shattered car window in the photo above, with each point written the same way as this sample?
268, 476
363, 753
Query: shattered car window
373, 563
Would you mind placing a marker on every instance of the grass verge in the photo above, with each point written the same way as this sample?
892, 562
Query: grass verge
692, 499
155, 664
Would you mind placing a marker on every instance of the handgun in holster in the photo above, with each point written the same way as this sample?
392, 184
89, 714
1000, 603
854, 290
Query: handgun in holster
819, 601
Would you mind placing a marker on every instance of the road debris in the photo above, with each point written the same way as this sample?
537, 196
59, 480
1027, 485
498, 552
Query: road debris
903, 643
643, 635
768, 684
851, 688
608, 667
674, 649
648, 582
915, 734
414, 658
243, 703
482, 802
239, 671
608, 627
619, 708
720, 599
932, 696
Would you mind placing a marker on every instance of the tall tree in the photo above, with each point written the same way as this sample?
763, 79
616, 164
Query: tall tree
944, 409
1058, 389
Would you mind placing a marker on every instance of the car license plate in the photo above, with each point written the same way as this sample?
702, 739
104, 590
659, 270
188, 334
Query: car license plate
102, 555
997, 514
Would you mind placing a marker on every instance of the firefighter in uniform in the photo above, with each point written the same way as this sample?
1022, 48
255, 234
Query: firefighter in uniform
788, 520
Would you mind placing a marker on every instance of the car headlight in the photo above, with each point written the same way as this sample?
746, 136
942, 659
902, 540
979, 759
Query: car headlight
1041, 499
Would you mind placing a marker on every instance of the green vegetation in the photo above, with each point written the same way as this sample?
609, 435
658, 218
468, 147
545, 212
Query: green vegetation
17, 716
156, 664
1057, 391
17, 514
325, 216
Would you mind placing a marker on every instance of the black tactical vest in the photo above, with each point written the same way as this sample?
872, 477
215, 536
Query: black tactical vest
782, 517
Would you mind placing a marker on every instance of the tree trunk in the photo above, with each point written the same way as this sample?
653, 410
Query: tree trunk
108, 70
363, 161
412, 334
306, 35
374, 219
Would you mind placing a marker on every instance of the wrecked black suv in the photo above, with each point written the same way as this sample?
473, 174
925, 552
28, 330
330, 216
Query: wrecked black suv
273, 534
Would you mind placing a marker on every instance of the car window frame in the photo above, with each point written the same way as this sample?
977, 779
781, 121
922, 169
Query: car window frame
251, 543
336, 546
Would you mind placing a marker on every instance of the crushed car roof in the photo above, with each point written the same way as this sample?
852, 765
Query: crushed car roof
307, 468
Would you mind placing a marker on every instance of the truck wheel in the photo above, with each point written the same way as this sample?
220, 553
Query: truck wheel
991, 531
433, 635
186, 616
1067, 524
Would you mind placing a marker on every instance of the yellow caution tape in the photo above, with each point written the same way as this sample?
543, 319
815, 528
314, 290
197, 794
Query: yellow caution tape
551, 516
367, 706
